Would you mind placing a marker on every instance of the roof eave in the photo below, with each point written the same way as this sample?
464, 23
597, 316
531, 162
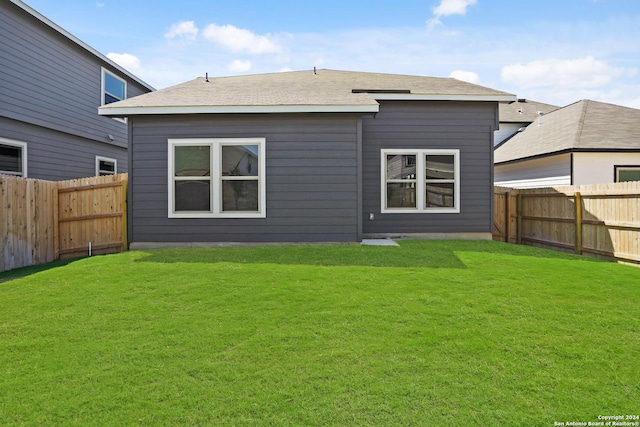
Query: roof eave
443, 97
236, 109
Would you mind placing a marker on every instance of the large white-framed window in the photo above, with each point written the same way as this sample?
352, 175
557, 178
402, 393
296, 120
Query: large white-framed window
420, 181
106, 166
217, 178
13, 157
114, 89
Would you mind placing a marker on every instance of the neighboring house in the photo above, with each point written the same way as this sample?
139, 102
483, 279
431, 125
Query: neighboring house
51, 85
587, 142
302, 156
517, 115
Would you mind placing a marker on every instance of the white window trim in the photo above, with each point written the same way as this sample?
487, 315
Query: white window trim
106, 159
420, 180
103, 91
619, 168
216, 145
21, 145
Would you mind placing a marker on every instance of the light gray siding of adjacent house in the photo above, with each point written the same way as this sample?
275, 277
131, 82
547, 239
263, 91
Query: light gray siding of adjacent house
534, 173
58, 156
311, 179
50, 89
467, 126
506, 130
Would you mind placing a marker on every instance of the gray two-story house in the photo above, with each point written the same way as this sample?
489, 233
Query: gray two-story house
51, 85
310, 156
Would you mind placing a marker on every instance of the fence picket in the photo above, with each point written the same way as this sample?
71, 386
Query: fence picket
44, 220
598, 220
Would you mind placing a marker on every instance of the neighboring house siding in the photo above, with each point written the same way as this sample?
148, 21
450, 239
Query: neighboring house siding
50, 91
467, 126
311, 179
506, 130
599, 168
542, 172
48, 151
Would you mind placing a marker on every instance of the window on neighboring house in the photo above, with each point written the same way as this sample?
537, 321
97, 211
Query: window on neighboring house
114, 89
217, 177
627, 173
13, 157
106, 166
420, 181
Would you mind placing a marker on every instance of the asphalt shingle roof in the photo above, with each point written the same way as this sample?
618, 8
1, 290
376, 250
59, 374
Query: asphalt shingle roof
585, 125
303, 89
523, 111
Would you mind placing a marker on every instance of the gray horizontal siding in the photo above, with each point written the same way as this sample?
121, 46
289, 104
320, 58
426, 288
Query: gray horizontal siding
311, 177
467, 126
56, 156
49, 81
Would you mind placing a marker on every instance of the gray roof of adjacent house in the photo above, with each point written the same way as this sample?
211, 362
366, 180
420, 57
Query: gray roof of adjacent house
523, 111
77, 41
583, 126
300, 91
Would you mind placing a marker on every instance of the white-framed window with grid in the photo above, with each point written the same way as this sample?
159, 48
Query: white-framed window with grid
217, 178
420, 180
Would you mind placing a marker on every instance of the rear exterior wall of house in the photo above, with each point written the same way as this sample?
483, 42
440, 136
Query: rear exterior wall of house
311, 178
323, 173
442, 125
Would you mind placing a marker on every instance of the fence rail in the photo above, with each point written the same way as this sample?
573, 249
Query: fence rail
41, 221
597, 220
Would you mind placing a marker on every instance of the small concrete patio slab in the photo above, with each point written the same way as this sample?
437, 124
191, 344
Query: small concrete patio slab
378, 242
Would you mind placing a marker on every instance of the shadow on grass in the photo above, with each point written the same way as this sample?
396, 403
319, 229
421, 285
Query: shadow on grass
28, 271
410, 254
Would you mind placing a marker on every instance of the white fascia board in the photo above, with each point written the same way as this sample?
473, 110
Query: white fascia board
238, 109
79, 42
427, 97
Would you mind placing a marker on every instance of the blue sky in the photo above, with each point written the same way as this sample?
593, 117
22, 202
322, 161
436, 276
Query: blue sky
553, 51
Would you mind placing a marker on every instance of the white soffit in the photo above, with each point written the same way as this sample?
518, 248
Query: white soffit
234, 109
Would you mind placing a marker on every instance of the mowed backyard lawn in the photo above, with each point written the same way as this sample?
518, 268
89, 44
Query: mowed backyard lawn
433, 333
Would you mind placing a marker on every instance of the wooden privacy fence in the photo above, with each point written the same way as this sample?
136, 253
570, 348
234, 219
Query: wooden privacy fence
600, 220
41, 221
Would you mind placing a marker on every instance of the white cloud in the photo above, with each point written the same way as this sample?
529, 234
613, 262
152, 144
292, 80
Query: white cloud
466, 76
239, 66
100, 5
452, 7
183, 29
240, 40
585, 72
126, 60
449, 7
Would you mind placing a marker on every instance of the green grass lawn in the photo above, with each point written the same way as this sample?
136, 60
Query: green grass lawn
433, 333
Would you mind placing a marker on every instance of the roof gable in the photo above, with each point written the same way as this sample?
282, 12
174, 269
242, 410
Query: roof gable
299, 91
583, 126
37, 15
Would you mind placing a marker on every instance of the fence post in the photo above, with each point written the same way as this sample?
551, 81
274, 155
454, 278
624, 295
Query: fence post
125, 243
519, 218
578, 207
507, 216
56, 220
